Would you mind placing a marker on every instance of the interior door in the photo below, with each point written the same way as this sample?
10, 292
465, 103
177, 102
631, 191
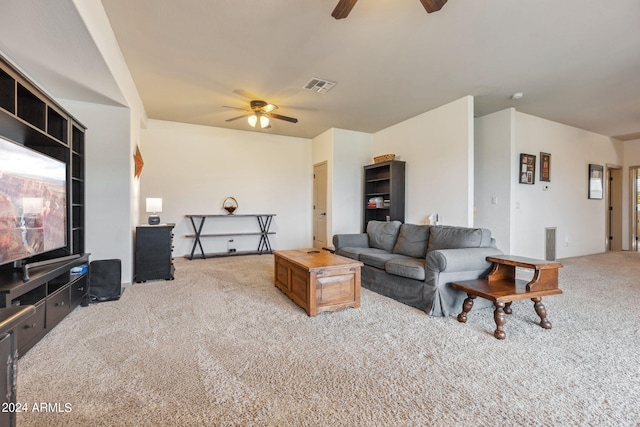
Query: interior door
320, 205
615, 209
634, 203
636, 208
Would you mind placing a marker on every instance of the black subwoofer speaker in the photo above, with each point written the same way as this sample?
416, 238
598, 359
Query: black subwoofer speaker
105, 280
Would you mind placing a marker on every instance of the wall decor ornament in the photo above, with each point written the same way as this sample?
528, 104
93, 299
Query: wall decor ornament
137, 158
596, 173
230, 205
545, 167
527, 170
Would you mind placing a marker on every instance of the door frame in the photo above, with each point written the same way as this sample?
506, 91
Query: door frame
613, 208
324, 163
634, 174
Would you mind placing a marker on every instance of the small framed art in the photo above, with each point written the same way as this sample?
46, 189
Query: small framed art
545, 167
596, 173
527, 168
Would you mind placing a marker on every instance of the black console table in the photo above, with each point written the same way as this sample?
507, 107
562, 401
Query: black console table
197, 221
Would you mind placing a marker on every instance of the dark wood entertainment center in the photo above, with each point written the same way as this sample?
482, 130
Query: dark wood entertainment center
28, 116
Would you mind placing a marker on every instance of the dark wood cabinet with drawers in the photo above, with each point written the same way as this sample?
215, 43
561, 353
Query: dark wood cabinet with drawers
154, 246
52, 289
10, 319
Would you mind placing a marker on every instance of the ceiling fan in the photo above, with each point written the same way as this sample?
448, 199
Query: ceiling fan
344, 7
259, 114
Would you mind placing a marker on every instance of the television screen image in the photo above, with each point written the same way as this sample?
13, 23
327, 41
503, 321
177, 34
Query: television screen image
33, 202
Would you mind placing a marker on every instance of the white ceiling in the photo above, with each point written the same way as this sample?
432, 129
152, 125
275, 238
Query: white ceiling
576, 61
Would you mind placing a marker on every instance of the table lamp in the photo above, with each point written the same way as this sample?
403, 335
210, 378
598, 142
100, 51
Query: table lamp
154, 205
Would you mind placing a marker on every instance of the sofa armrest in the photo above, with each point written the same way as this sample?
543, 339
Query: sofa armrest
351, 241
464, 259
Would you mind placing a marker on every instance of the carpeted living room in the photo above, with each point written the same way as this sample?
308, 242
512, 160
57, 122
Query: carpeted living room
221, 345
214, 248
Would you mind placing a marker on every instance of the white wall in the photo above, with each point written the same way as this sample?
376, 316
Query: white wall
631, 160
438, 149
494, 160
194, 168
352, 151
322, 151
579, 221
345, 152
98, 24
107, 178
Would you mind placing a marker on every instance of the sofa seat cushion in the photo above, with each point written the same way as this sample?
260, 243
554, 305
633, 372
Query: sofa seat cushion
412, 240
411, 268
383, 235
379, 259
356, 252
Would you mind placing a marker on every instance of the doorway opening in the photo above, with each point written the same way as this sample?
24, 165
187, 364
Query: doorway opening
614, 207
320, 205
634, 204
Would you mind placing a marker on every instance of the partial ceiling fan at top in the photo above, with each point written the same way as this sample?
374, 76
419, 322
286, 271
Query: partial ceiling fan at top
344, 7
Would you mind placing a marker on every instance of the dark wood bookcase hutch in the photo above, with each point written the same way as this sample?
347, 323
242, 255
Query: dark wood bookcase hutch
28, 116
385, 180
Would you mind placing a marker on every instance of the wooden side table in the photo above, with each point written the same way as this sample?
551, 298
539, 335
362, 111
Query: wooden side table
502, 287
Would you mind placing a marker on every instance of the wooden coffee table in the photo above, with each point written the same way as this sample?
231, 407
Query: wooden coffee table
502, 287
317, 280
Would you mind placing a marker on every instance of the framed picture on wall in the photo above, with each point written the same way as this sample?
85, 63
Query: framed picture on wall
527, 169
545, 167
596, 173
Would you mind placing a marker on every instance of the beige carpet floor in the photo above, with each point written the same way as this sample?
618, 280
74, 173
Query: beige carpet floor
221, 346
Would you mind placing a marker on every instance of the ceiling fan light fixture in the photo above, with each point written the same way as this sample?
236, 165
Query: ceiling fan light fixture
258, 119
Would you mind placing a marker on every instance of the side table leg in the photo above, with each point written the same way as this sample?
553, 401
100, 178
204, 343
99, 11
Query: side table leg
507, 307
499, 317
466, 307
542, 312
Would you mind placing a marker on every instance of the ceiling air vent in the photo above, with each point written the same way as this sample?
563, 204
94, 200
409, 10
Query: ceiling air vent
319, 85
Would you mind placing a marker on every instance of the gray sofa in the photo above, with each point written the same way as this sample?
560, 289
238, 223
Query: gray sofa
414, 264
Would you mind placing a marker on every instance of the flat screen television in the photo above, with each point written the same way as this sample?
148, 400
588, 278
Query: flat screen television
33, 202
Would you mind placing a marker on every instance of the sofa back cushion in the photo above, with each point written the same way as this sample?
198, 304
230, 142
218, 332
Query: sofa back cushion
445, 237
383, 235
412, 240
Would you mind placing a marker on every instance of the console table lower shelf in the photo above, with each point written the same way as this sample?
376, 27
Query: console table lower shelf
502, 287
198, 221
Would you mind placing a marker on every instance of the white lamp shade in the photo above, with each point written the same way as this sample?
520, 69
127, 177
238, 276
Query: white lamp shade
264, 121
253, 120
154, 204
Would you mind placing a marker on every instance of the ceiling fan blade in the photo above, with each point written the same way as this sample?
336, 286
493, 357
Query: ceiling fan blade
433, 5
236, 108
269, 108
245, 94
280, 117
236, 118
343, 8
